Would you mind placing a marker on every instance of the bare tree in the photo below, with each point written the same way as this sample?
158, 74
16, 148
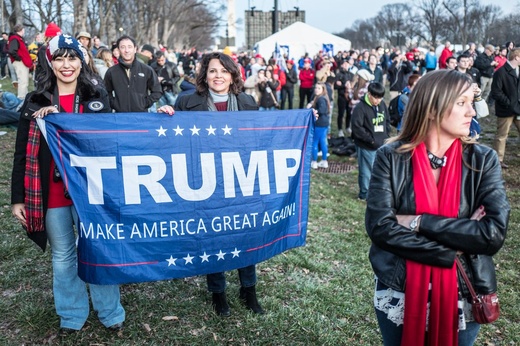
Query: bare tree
432, 20
394, 22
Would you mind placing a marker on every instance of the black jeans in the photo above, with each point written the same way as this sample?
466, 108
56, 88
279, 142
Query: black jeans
305, 92
3, 65
342, 107
287, 94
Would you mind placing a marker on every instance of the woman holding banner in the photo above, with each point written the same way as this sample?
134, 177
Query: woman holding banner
219, 88
435, 196
39, 198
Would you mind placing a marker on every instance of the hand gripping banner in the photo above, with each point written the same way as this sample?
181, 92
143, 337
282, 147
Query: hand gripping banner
161, 197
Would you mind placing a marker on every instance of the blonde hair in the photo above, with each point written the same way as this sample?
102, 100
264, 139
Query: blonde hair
514, 53
432, 98
105, 54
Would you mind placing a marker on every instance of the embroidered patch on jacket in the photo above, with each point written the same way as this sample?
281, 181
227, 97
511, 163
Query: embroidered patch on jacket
95, 106
140, 74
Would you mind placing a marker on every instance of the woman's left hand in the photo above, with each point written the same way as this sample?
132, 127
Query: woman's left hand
316, 115
166, 109
40, 113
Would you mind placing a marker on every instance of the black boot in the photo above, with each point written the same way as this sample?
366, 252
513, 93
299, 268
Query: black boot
220, 304
248, 295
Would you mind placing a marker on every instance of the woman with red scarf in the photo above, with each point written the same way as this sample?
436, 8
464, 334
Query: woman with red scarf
39, 198
435, 194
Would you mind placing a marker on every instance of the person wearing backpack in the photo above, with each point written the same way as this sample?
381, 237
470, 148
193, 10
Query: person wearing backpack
403, 99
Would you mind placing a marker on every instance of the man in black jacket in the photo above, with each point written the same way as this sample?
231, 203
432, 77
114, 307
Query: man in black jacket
168, 77
4, 49
132, 86
370, 128
398, 73
291, 78
485, 63
505, 90
343, 79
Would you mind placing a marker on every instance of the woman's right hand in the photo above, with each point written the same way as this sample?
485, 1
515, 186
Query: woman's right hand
18, 211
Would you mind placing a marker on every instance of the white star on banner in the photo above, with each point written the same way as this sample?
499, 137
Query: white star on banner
188, 259
171, 261
194, 131
178, 131
161, 131
205, 257
220, 255
211, 130
227, 130
235, 253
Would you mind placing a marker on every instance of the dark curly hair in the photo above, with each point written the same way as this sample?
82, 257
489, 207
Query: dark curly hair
226, 61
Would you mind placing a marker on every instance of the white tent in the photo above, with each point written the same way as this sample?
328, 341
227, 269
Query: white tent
300, 38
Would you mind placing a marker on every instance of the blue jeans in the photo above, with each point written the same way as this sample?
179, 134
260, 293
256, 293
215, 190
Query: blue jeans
273, 108
168, 98
320, 137
365, 159
392, 333
70, 292
217, 281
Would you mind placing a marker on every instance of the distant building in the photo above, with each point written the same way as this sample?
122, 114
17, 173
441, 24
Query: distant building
259, 24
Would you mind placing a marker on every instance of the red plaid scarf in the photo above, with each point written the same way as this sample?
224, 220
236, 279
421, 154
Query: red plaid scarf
32, 182
437, 199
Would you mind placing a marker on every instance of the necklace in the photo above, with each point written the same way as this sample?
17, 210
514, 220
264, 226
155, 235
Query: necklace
436, 162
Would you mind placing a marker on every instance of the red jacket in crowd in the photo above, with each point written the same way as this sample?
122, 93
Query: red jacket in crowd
307, 78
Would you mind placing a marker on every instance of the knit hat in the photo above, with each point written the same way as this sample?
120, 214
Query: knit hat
52, 30
148, 48
365, 75
63, 41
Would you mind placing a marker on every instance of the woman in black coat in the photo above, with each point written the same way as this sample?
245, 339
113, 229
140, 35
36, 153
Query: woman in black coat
39, 199
219, 88
435, 195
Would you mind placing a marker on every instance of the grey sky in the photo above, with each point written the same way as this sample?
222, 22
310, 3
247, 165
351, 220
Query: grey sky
335, 15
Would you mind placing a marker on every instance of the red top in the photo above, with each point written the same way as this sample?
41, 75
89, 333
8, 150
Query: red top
22, 52
221, 106
307, 78
57, 197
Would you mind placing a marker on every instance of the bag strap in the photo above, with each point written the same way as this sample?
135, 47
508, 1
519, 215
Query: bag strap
273, 97
474, 295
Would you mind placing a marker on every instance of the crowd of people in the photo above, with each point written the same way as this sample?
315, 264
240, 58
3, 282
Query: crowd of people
437, 131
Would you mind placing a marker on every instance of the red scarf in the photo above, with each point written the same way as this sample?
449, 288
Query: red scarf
437, 199
32, 182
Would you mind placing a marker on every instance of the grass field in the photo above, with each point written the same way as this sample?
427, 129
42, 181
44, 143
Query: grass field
320, 294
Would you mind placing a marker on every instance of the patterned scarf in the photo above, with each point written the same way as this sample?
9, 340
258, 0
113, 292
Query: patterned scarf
232, 103
32, 182
437, 199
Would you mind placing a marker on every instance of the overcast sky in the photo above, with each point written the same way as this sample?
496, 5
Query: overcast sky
334, 15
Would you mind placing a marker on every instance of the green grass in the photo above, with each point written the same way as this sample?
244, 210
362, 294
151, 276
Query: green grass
320, 294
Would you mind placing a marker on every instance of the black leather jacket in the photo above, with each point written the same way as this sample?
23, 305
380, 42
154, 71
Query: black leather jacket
439, 238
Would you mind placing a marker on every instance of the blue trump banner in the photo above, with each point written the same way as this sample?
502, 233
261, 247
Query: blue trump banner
162, 197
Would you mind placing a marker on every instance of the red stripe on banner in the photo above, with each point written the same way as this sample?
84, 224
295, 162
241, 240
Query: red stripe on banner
118, 264
301, 197
104, 131
271, 128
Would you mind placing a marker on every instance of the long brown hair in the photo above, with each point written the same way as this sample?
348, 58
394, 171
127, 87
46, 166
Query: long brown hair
323, 94
431, 99
226, 61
